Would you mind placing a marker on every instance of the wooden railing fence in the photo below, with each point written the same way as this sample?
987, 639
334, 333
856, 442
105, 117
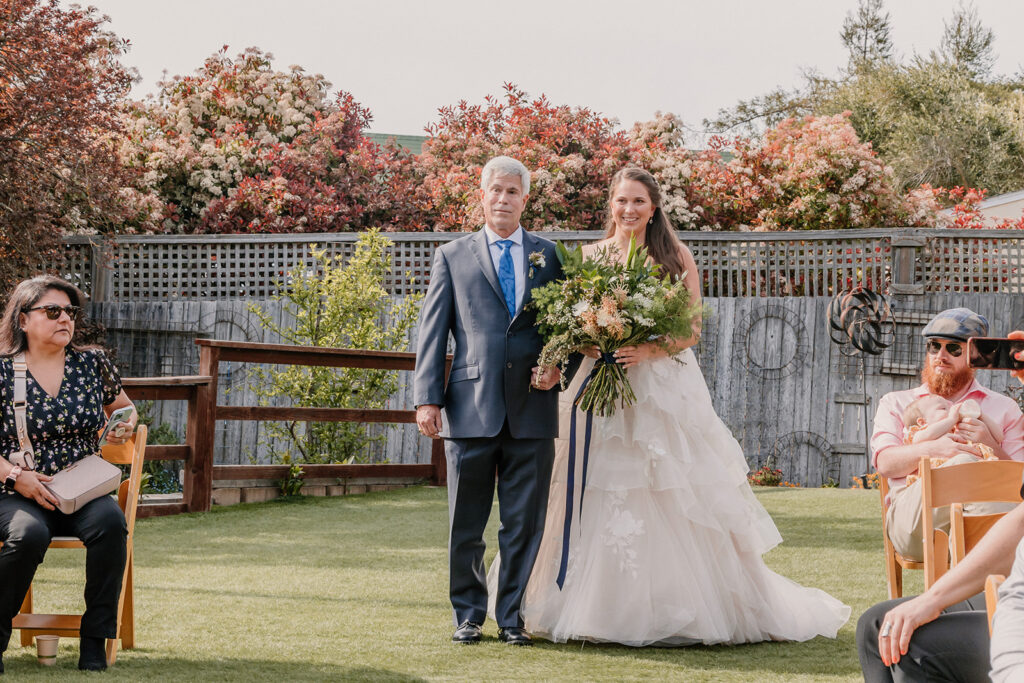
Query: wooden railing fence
203, 413
196, 452
212, 352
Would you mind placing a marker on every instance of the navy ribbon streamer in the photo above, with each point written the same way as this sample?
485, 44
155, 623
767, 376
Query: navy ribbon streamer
571, 479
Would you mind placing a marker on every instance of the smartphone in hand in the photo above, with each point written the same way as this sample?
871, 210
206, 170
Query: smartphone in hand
116, 417
995, 353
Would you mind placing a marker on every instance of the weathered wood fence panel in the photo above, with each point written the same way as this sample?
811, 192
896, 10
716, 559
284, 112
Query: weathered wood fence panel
787, 392
791, 396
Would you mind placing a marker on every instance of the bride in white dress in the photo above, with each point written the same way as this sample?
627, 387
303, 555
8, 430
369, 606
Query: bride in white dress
666, 547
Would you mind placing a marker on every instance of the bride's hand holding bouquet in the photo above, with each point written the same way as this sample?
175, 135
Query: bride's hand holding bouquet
612, 305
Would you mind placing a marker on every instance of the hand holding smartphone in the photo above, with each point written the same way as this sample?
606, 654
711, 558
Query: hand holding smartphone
995, 353
116, 417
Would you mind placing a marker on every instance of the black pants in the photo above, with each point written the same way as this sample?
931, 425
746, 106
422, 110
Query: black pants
26, 530
953, 647
523, 471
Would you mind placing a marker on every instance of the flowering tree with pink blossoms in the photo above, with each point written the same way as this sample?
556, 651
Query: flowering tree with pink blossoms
239, 147
804, 174
572, 153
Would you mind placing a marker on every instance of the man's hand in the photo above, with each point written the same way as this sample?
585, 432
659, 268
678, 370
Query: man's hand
899, 624
949, 446
974, 430
30, 485
545, 378
1019, 374
428, 419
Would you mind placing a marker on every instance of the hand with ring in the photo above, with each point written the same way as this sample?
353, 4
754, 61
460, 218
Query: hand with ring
428, 419
899, 624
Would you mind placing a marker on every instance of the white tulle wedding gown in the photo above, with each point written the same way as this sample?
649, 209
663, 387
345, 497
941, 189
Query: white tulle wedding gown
667, 548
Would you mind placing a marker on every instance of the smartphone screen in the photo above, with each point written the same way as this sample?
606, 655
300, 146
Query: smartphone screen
995, 353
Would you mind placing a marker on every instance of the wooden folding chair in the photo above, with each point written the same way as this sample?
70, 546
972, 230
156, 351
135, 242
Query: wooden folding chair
130, 453
992, 584
986, 481
894, 562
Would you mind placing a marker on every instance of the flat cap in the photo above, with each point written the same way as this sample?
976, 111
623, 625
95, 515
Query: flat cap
956, 323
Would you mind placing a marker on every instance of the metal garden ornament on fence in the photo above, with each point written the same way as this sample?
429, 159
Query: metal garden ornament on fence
861, 323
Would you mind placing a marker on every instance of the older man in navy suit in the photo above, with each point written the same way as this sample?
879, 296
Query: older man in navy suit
501, 410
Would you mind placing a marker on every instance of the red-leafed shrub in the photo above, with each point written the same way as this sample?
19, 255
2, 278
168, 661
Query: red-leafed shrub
572, 153
60, 85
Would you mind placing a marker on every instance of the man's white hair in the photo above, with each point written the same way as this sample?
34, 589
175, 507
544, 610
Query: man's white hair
505, 166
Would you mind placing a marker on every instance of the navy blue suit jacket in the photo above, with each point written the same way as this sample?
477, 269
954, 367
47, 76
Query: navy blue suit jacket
494, 352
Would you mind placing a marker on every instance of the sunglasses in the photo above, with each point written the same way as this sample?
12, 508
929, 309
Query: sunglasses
53, 311
952, 348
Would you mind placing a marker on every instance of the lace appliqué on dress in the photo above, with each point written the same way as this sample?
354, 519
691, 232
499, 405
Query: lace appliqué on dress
621, 533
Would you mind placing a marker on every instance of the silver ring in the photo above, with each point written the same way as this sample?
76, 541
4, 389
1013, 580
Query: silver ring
886, 629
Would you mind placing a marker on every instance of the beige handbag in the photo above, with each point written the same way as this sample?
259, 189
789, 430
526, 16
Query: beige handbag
83, 481
75, 485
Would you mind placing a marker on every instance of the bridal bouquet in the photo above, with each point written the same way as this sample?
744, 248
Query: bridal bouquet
607, 304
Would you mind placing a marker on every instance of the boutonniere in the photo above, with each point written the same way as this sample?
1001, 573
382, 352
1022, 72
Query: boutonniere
537, 260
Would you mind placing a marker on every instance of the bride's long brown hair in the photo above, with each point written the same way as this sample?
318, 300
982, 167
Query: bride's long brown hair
662, 243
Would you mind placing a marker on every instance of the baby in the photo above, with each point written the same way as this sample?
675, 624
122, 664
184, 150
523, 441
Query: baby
932, 417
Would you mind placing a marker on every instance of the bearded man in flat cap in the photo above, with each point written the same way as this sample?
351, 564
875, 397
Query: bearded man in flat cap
946, 373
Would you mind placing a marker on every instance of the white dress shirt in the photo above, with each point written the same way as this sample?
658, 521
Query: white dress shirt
518, 258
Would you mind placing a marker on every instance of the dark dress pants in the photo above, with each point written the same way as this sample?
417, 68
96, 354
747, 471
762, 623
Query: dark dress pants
26, 530
953, 647
523, 471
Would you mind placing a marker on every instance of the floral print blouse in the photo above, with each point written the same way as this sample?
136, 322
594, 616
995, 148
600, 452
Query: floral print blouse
64, 428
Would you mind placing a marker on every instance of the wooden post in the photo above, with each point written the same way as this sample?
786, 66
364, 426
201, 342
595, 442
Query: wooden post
439, 463
101, 271
905, 246
202, 411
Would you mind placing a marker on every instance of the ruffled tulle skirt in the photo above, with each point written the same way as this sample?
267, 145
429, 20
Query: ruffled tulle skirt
667, 547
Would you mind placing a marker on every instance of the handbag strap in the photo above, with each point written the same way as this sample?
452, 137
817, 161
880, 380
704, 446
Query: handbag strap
20, 398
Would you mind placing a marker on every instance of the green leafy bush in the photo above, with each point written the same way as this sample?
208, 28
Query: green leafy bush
344, 306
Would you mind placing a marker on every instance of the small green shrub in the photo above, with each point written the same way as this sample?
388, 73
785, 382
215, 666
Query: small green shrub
347, 306
293, 483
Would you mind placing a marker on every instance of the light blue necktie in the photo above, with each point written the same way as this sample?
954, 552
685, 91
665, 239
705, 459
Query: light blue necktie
507, 276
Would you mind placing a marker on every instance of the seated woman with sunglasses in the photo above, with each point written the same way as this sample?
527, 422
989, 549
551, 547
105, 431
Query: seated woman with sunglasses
946, 374
70, 390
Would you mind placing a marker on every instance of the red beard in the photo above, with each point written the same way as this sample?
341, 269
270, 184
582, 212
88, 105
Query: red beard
946, 384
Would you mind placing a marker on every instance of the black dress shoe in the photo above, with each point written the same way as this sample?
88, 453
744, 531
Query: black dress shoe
92, 654
467, 633
515, 636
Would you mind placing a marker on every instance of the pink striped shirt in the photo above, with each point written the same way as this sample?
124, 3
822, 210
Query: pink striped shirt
1001, 409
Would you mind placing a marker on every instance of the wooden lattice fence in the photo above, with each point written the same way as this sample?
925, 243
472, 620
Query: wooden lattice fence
224, 267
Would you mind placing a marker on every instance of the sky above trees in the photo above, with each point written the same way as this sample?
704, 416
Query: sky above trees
404, 60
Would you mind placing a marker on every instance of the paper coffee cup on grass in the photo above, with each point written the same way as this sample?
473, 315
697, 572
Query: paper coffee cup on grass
46, 649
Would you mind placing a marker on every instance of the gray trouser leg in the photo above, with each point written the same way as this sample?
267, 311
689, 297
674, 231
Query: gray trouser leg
954, 647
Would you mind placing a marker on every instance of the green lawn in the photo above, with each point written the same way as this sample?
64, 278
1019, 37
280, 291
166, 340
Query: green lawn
356, 589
